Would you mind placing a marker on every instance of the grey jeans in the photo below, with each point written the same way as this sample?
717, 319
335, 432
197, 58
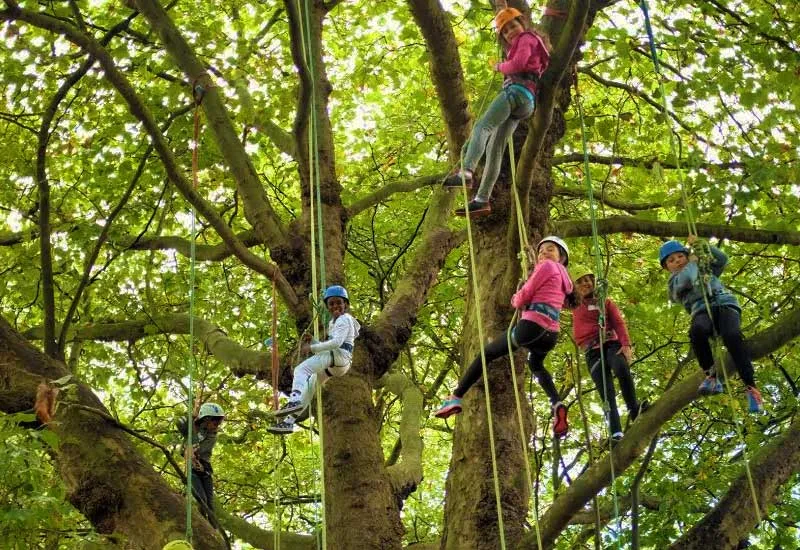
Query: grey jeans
491, 132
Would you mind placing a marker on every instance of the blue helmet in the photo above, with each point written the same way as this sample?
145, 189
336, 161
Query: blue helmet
670, 247
335, 291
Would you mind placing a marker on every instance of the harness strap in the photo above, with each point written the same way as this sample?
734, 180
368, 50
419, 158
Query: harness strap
544, 309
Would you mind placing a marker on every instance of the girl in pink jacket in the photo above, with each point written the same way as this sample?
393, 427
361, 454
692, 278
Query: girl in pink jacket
617, 353
541, 299
527, 57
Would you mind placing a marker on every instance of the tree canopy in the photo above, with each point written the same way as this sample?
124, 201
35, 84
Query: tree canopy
97, 122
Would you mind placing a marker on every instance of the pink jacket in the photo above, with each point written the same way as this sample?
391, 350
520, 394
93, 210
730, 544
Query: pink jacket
586, 330
527, 54
548, 284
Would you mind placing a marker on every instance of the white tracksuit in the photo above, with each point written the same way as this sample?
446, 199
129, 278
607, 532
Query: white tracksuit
329, 358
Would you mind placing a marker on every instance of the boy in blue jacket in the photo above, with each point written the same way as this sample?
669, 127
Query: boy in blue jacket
687, 283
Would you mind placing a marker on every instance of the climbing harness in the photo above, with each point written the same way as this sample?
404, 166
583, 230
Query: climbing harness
705, 250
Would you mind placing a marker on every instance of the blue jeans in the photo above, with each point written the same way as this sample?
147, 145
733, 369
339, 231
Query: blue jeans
491, 132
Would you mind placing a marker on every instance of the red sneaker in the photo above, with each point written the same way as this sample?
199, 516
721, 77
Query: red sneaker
560, 425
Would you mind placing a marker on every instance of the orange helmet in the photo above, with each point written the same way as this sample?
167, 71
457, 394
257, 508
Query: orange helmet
504, 16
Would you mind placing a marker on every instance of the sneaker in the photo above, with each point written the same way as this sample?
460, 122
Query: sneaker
754, 400
475, 208
281, 428
290, 408
451, 406
638, 409
560, 425
710, 386
453, 180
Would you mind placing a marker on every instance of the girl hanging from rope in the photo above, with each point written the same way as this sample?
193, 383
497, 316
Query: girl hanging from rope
691, 283
204, 437
544, 294
527, 57
617, 353
331, 358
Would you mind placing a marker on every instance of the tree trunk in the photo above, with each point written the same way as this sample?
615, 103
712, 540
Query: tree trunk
735, 515
361, 508
470, 519
106, 478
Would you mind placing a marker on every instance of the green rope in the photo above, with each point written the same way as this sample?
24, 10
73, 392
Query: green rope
476, 292
600, 287
523, 240
197, 91
319, 243
643, 5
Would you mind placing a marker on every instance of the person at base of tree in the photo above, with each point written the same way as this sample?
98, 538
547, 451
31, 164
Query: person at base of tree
691, 284
331, 358
544, 294
527, 57
616, 352
204, 437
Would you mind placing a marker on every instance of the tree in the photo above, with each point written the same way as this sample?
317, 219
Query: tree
388, 94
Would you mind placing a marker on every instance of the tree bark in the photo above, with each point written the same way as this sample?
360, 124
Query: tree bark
106, 478
735, 516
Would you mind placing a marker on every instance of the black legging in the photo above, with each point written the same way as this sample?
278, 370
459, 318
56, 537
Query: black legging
528, 334
615, 365
726, 322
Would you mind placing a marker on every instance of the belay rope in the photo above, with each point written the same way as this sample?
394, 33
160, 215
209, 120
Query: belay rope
316, 223
600, 289
704, 248
197, 92
523, 258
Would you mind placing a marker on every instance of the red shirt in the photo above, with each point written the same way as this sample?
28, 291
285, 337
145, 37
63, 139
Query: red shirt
586, 331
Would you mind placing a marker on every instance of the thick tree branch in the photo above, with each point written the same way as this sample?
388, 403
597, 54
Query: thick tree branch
570, 33
258, 210
735, 515
203, 252
580, 193
641, 162
92, 453
174, 172
239, 359
390, 189
261, 538
629, 224
598, 476
406, 474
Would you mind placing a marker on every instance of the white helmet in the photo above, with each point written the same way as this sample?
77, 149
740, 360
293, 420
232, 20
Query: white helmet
210, 410
558, 241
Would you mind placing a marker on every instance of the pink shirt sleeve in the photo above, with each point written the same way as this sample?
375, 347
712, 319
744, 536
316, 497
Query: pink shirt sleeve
541, 272
617, 323
521, 53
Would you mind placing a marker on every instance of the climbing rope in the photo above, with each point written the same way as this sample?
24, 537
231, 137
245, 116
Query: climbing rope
276, 534
600, 288
490, 423
705, 249
316, 224
198, 92
523, 257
